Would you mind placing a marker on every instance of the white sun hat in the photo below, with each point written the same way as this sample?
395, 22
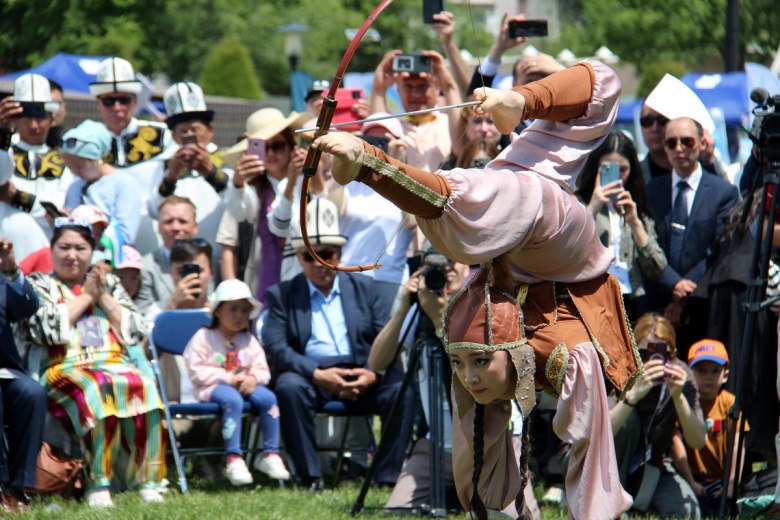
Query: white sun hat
232, 290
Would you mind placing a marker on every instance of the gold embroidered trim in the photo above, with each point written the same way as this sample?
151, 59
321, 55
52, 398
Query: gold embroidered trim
406, 182
556, 366
486, 348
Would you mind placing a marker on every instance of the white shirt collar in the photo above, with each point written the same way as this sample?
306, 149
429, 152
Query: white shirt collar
693, 179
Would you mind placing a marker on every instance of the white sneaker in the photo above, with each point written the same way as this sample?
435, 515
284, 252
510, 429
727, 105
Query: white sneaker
273, 466
150, 495
237, 473
99, 498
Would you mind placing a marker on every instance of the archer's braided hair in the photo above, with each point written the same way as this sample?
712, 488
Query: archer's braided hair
523, 513
478, 509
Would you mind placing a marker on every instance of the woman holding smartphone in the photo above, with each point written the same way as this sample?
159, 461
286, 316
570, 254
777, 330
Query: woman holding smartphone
611, 185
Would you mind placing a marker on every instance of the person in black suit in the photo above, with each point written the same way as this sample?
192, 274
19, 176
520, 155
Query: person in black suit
690, 220
317, 336
22, 400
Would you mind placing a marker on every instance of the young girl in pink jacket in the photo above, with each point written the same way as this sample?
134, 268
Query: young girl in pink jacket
227, 366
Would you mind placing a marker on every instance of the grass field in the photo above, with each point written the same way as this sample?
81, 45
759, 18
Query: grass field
212, 499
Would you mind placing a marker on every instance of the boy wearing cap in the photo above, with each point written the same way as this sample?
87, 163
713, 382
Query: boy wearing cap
704, 468
30, 171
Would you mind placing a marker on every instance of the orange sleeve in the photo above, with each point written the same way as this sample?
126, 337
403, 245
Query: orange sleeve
415, 191
560, 96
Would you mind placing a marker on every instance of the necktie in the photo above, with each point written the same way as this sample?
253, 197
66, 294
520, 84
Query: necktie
679, 221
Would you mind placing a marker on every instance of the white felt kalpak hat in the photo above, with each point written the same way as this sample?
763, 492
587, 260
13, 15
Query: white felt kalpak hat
232, 290
674, 99
264, 124
115, 75
185, 102
33, 89
322, 221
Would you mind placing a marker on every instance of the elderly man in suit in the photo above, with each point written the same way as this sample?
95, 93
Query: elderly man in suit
317, 336
690, 207
22, 400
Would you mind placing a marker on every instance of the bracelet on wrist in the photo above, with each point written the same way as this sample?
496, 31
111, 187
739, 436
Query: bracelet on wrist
628, 403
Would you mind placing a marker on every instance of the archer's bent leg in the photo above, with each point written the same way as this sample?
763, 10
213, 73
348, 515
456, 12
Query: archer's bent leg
593, 487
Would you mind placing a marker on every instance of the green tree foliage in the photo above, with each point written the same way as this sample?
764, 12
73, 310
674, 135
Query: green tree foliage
229, 71
655, 71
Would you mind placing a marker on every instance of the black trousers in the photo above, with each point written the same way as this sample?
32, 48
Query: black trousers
22, 415
299, 400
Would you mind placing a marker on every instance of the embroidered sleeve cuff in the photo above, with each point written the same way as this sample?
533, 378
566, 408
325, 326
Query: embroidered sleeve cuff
415, 191
23, 201
218, 179
167, 187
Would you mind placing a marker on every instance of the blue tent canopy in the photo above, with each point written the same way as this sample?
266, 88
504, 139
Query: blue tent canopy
726, 91
74, 72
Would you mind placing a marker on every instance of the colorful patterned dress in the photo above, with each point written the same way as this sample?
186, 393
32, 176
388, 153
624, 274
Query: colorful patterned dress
94, 389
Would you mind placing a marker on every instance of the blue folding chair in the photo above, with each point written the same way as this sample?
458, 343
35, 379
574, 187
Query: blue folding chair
337, 408
170, 333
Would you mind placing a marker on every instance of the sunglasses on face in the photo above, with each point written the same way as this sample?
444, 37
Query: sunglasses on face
325, 254
686, 142
197, 242
277, 147
122, 100
647, 121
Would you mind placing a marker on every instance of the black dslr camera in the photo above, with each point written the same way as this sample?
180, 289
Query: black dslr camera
434, 272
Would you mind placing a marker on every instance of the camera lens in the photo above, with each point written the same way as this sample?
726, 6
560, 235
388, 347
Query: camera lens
435, 278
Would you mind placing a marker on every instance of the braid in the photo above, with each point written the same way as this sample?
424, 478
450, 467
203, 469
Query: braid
523, 513
478, 509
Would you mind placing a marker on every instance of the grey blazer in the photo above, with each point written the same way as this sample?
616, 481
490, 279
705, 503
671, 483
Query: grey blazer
157, 284
645, 263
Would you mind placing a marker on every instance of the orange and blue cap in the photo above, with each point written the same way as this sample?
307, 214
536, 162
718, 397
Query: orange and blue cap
708, 350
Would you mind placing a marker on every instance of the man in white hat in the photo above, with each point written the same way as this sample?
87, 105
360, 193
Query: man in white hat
427, 136
138, 146
317, 336
30, 171
197, 170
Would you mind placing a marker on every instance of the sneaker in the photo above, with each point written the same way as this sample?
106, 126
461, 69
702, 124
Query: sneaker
237, 473
273, 466
150, 495
99, 498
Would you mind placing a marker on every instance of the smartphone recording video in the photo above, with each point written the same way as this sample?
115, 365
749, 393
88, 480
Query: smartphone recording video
528, 28
432, 7
256, 147
660, 350
610, 172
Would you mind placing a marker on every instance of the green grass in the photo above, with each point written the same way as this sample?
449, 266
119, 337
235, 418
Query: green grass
210, 499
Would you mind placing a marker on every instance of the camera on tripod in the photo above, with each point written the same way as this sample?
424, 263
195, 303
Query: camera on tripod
766, 126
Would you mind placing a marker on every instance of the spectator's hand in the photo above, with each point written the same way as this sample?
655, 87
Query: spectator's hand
627, 207
247, 168
200, 159
7, 258
237, 380
187, 292
180, 163
295, 166
347, 151
410, 288
698, 489
504, 41
673, 313
445, 25
539, 66
432, 304
361, 109
8, 109
94, 284
332, 380
682, 289
384, 77
7, 192
247, 386
440, 74
364, 379
652, 377
507, 107
601, 195
675, 378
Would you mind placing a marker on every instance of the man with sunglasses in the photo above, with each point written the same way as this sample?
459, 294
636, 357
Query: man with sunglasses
30, 171
138, 146
655, 163
690, 208
317, 336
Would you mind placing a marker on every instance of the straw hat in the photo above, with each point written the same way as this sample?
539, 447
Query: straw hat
232, 290
185, 102
264, 124
115, 75
34, 94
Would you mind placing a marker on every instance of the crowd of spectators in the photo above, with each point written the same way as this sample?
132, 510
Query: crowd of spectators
105, 225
